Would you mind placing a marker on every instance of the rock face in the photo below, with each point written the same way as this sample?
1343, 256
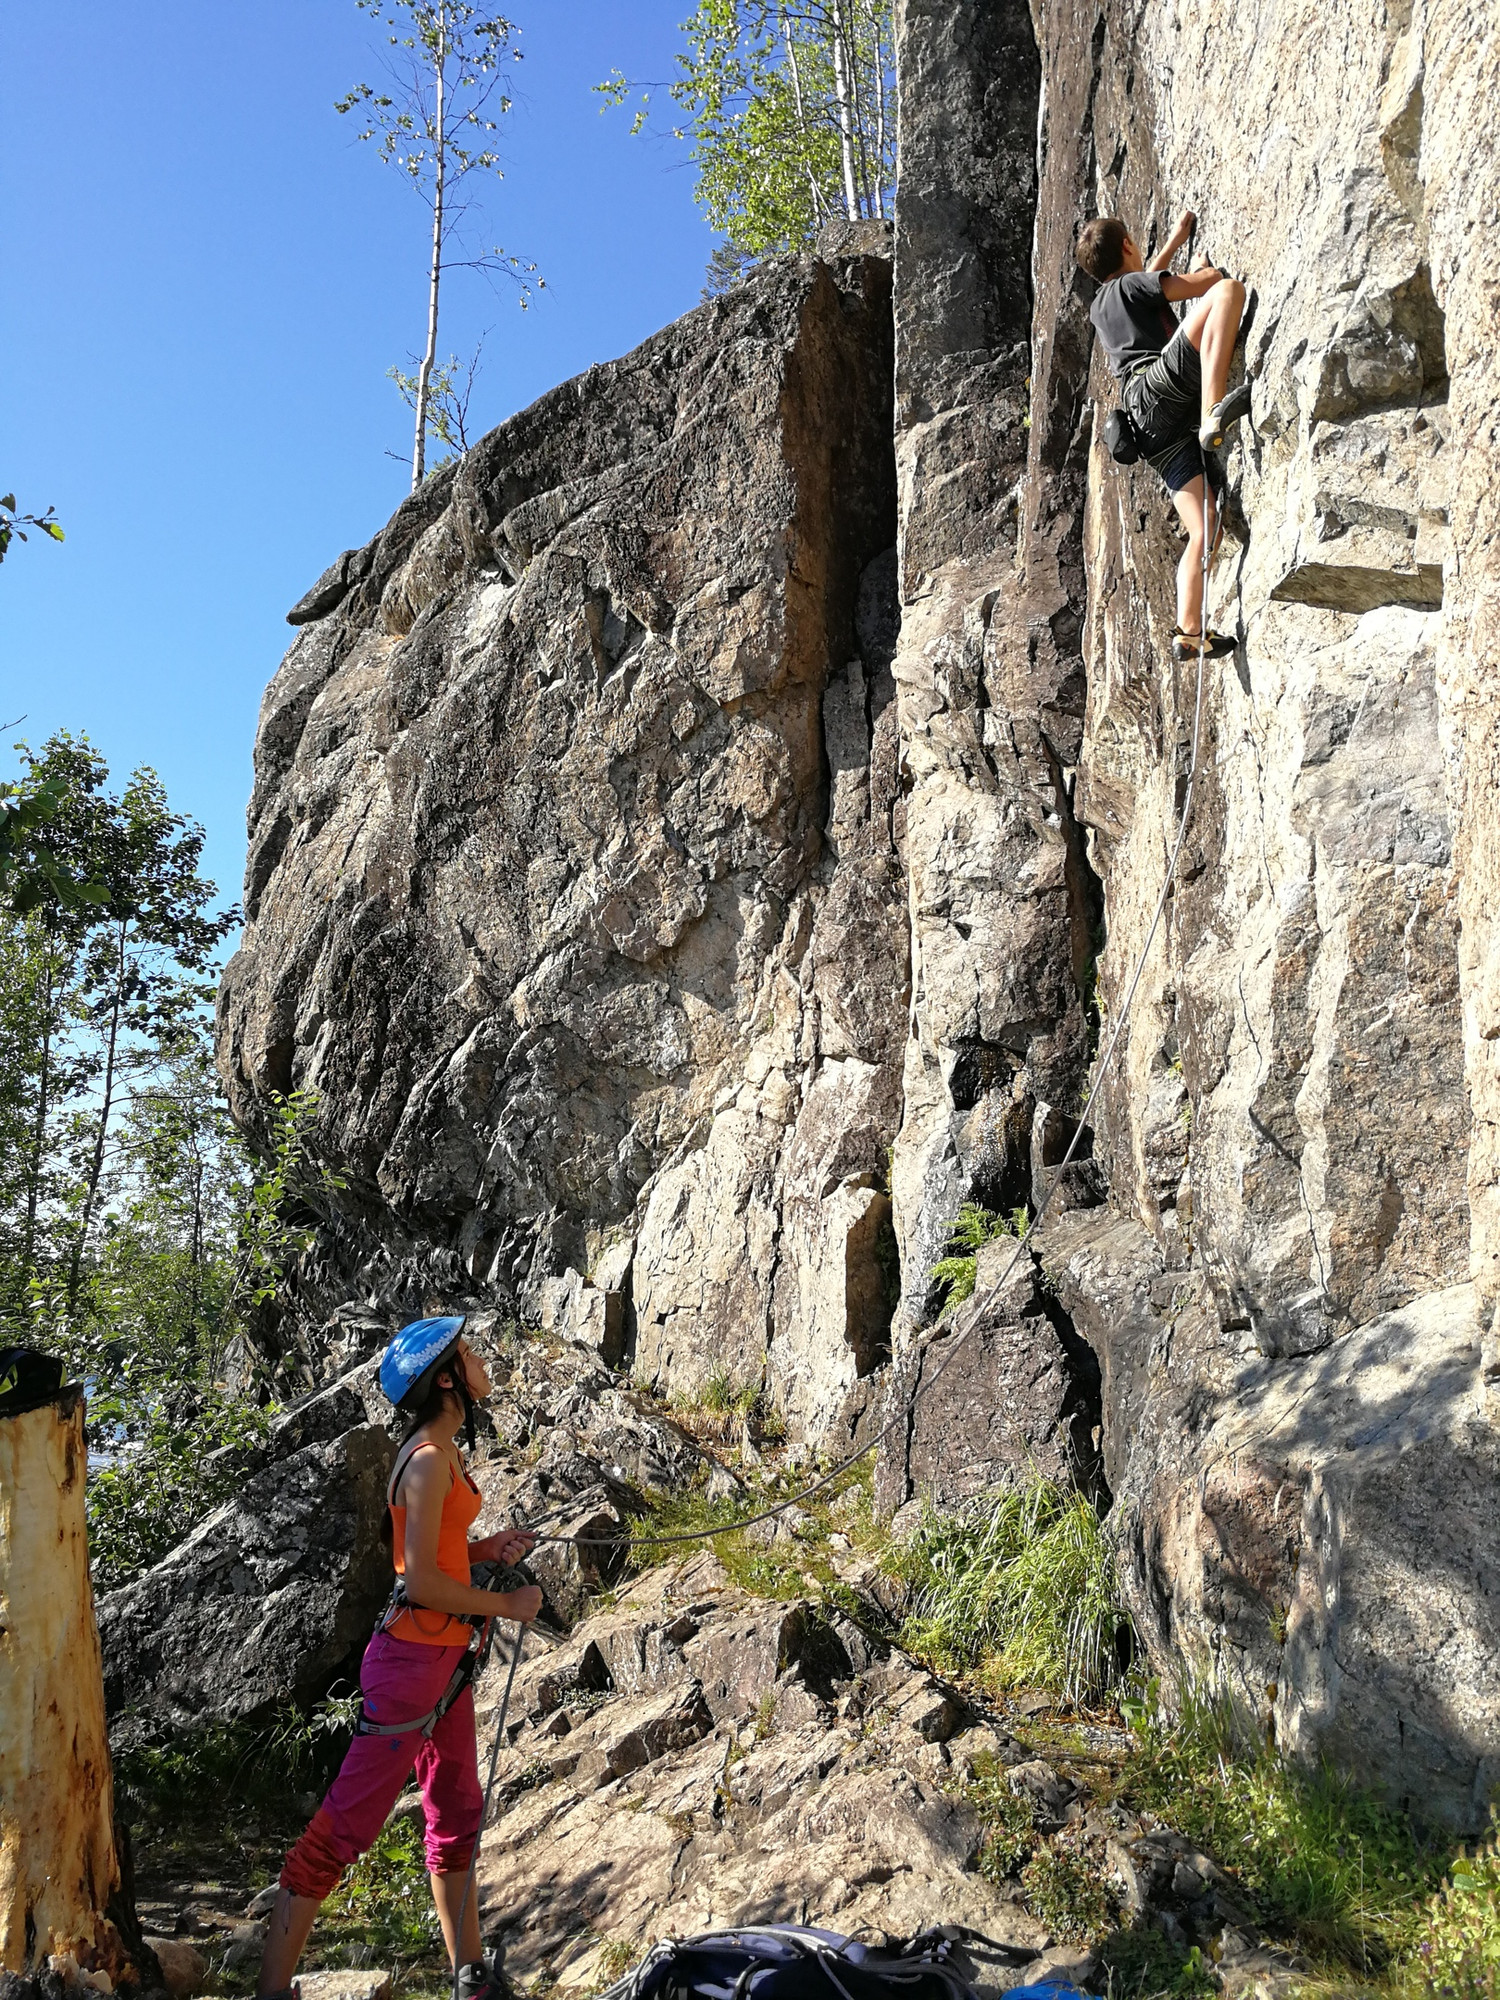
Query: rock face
700, 844
573, 883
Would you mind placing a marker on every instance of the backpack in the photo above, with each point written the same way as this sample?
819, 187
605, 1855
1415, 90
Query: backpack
1122, 439
798, 1962
28, 1379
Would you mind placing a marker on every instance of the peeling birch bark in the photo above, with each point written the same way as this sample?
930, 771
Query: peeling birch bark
58, 1866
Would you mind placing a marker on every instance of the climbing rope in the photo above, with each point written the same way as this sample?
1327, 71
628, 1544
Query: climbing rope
484, 1810
902, 1416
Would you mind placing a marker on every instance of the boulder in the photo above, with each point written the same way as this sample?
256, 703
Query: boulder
268, 1600
184, 1969
1316, 1538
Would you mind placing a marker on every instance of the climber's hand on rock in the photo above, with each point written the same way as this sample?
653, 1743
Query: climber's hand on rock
1187, 222
520, 1605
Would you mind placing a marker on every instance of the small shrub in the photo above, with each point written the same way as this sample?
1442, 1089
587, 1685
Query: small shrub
1067, 1896
166, 1480
1024, 1590
616, 1956
386, 1896
970, 1230
1141, 1963
1458, 1953
1010, 1827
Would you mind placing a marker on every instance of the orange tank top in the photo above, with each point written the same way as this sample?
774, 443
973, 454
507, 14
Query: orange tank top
461, 1505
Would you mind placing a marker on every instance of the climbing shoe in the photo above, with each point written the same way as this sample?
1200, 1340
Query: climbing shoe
1223, 416
1186, 645
484, 1980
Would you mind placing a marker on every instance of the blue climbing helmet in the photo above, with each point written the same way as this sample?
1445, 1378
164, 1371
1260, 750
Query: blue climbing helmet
414, 1357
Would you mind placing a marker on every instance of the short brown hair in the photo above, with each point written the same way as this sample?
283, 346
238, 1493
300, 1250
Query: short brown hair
1100, 248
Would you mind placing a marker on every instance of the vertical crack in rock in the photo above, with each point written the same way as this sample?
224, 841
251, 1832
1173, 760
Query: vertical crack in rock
991, 692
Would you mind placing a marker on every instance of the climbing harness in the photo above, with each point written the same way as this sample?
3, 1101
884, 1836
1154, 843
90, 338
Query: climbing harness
903, 1416
465, 1673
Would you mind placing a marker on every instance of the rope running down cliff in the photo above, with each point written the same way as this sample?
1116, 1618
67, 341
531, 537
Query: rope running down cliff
1211, 510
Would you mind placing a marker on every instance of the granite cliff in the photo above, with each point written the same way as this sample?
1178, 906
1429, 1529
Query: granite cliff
694, 845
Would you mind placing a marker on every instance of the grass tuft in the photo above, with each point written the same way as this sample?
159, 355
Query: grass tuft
1021, 1592
1325, 1864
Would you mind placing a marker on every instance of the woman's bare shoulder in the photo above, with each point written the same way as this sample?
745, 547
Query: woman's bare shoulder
428, 1470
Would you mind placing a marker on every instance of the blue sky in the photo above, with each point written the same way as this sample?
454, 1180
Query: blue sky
206, 279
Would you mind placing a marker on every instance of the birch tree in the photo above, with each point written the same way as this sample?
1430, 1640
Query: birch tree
435, 122
787, 105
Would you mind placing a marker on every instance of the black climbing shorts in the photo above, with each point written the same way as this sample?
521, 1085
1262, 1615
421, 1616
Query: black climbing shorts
1165, 401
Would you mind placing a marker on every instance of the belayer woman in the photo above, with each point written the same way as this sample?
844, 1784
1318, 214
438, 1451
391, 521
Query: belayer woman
434, 1377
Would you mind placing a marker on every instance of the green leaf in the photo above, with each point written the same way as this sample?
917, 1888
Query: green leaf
9, 500
52, 528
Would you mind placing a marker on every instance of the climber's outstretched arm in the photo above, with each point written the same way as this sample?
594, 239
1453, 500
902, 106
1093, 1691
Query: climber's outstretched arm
1187, 222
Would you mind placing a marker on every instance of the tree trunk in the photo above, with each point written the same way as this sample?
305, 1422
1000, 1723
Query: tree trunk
846, 122
39, 1127
857, 105
106, 1105
58, 1865
879, 117
435, 278
796, 75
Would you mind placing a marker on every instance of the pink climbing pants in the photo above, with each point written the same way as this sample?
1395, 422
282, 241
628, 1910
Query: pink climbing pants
401, 1681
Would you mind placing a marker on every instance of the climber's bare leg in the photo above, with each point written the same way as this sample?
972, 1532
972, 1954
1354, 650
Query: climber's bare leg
1212, 324
292, 1918
1189, 502
448, 1895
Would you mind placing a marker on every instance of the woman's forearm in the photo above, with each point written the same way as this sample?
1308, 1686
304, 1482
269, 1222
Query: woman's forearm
434, 1590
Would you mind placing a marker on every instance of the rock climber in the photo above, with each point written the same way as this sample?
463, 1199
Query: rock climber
412, 1663
1174, 380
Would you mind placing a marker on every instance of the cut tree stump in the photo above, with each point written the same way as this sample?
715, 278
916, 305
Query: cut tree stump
58, 1863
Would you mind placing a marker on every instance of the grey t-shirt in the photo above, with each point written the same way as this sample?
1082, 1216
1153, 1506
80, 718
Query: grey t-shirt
1133, 319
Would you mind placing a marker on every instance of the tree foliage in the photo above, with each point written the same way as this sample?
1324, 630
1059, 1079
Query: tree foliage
13, 524
789, 109
138, 1234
